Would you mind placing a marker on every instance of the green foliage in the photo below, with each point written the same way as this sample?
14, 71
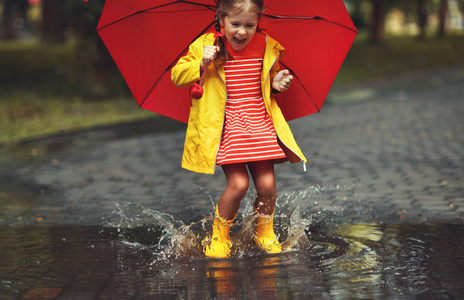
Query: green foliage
25, 115
53, 88
399, 55
83, 16
29, 61
58, 69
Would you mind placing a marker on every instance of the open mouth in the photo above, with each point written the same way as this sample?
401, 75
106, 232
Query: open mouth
239, 42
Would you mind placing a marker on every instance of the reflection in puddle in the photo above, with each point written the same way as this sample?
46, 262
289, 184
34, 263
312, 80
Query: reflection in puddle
136, 260
358, 274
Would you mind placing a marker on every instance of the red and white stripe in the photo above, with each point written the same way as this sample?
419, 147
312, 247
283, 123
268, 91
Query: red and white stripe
248, 133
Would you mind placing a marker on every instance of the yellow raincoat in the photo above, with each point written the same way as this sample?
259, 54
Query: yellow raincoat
207, 114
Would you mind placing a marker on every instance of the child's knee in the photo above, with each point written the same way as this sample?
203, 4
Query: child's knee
239, 186
266, 188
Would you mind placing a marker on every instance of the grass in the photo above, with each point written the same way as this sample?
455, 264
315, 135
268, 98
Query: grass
399, 55
25, 115
53, 89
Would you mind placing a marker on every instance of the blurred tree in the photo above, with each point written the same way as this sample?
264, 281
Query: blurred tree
83, 20
379, 9
13, 16
378, 19
415, 11
83, 17
422, 16
53, 21
357, 14
461, 5
442, 13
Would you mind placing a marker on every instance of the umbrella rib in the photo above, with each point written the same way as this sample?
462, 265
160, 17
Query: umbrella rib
287, 17
308, 18
210, 7
169, 67
304, 88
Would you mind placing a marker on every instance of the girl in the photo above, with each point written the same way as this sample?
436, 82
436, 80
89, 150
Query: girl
237, 123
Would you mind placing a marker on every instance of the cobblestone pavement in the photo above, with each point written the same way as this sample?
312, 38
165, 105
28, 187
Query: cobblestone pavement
388, 166
398, 156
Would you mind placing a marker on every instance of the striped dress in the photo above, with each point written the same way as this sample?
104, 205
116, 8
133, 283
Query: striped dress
248, 133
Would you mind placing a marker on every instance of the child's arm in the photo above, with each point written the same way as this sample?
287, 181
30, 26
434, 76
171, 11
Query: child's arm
210, 54
189, 67
282, 81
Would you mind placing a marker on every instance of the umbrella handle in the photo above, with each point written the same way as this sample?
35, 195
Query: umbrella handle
195, 90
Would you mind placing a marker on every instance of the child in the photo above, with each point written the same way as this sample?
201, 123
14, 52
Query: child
237, 123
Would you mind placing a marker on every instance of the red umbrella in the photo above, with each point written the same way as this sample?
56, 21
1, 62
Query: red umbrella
146, 38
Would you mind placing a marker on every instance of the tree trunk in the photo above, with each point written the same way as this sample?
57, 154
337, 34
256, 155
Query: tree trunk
377, 28
357, 15
443, 12
53, 21
422, 18
13, 10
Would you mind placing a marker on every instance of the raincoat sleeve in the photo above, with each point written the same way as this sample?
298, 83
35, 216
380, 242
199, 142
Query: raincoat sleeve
187, 69
274, 71
280, 51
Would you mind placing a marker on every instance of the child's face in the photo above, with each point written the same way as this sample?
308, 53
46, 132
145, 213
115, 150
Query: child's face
239, 28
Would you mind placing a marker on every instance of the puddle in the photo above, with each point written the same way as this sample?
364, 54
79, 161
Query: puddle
145, 253
150, 254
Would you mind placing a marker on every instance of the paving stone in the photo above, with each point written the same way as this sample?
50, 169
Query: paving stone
392, 159
43, 293
77, 295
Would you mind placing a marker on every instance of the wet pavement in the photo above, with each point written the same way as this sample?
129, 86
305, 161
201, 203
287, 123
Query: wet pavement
107, 214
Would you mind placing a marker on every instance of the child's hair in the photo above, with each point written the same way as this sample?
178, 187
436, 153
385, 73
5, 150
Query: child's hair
224, 7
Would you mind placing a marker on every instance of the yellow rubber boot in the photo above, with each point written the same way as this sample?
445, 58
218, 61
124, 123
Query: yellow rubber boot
265, 237
219, 245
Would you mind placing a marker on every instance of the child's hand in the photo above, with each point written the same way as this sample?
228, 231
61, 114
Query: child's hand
282, 81
209, 54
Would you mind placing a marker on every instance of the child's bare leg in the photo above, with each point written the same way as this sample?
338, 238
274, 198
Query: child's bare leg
263, 176
237, 187
219, 245
264, 179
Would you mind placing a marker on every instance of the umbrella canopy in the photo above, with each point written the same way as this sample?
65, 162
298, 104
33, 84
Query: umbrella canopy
147, 37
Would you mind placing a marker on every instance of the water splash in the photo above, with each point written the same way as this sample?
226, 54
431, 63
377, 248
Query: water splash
170, 238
